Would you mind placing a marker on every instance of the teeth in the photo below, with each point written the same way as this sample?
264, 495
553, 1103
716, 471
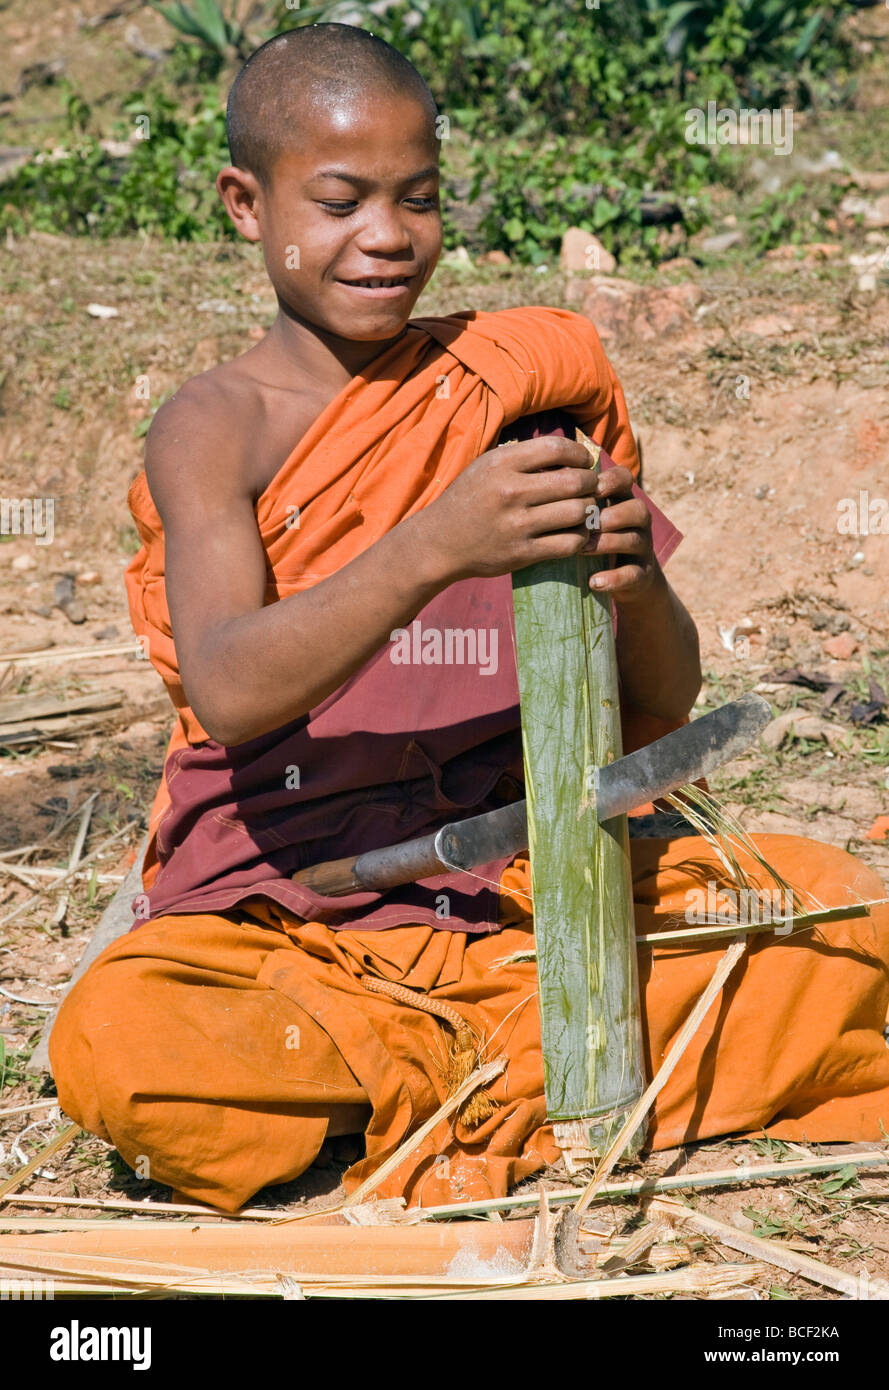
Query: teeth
379, 284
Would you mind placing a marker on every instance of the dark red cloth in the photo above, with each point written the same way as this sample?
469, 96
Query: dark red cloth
397, 751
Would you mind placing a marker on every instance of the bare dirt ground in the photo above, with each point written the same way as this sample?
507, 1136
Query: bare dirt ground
759, 392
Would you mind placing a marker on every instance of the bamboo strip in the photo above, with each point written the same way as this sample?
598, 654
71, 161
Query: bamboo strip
32, 1105
58, 916
580, 871
60, 1142
781, 926
665, 1071
480, 1077
860, 1287
54, 654
123, 1204
722, 1177
39, 871
63, 878
142, 1275
643, 1187
700, 1278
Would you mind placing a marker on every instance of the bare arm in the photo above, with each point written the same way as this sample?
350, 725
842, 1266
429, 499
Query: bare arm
249, 668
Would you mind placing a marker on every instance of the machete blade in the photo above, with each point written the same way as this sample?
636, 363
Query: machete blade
683, 756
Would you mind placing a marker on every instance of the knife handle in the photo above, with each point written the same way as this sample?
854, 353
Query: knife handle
374, 872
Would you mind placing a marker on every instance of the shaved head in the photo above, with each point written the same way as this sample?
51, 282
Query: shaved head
317, 68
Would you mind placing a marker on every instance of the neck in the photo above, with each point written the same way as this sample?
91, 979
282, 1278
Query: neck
329, 360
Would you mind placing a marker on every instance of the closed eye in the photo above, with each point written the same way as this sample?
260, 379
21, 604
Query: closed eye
344, 208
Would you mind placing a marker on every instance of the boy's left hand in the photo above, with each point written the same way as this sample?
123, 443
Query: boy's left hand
622, 527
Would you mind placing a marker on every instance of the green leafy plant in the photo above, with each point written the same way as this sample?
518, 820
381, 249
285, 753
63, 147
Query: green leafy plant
221, 28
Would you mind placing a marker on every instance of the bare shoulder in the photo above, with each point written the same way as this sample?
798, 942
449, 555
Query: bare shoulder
197, 442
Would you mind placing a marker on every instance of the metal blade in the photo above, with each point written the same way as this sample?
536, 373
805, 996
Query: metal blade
683, 756
670, 762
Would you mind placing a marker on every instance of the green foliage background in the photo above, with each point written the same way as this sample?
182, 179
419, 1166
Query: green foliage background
560, 112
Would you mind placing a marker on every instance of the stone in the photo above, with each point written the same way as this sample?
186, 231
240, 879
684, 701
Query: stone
867, 283
797, 724
24, 562
622, 309
583, 251
767, 326
874, 212
459, 256
841, 647
611, 307
494, 258
676, 263
722, 241
871, 181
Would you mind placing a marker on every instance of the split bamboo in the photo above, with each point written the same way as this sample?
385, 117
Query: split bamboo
580, 869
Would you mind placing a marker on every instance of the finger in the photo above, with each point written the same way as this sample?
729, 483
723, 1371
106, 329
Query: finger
570, 514
636, 543
621, 581
549, 451
564, 485
615, 482
560, 545
632, 515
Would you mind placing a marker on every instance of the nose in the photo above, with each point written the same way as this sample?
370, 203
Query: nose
384, 231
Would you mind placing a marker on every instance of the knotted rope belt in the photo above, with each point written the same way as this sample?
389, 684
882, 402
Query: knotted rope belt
462, 1051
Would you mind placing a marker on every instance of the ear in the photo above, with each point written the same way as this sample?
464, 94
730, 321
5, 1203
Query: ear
240, 193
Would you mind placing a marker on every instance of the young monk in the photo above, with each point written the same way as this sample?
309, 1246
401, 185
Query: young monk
316, 517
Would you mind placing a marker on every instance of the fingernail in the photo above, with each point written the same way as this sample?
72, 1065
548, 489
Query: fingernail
597, 582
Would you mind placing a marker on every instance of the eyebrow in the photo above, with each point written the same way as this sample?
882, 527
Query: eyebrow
357, 180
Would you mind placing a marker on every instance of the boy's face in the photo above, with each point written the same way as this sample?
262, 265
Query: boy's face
356, 208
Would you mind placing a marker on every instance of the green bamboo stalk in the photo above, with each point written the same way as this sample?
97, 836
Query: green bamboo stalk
580, 870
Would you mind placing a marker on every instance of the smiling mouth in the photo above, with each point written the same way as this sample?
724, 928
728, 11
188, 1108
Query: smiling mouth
378, 283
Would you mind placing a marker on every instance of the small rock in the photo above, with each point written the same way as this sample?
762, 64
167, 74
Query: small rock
102, 311
65, 600
216, 306
841, 647
107, 634
722, 241
822, 250
874, 212
677, 263
256, 334
767, 326
583, 251
494, 258
24, 562
871, 181
796, 724
867, 283
459, 256
89, 577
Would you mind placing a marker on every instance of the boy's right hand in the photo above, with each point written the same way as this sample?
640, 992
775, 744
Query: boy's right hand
514, 505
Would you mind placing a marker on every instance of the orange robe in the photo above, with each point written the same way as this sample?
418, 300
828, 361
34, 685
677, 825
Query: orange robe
218, 1046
